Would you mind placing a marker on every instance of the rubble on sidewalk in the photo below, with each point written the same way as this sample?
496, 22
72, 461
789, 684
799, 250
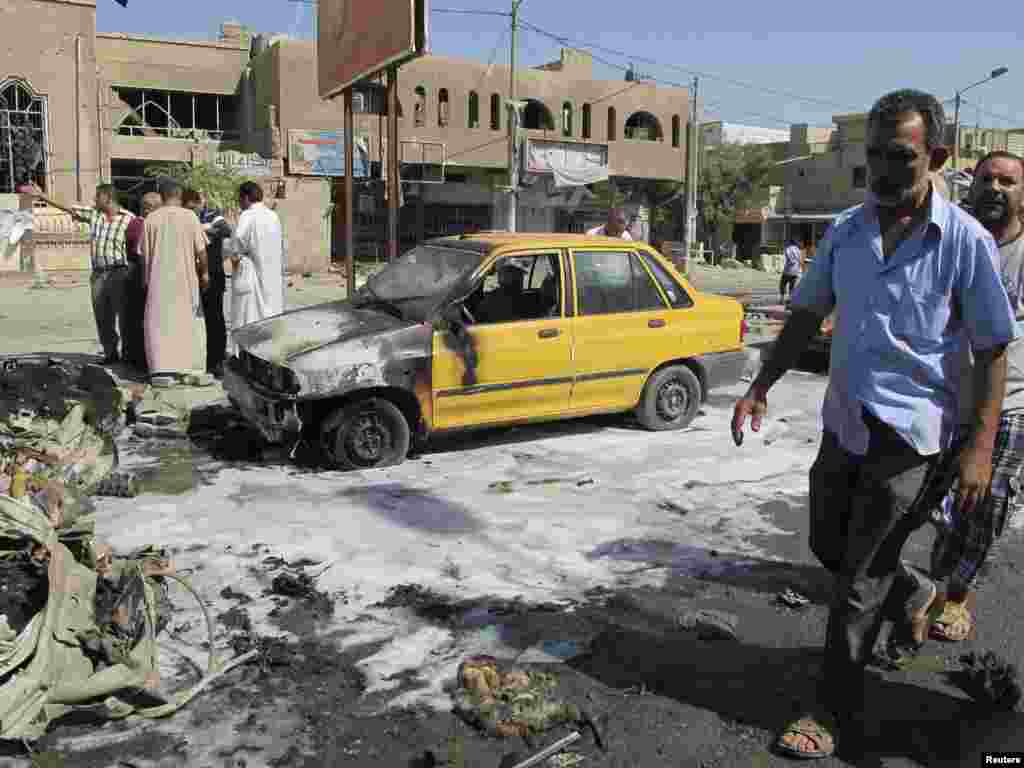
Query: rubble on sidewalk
504, 701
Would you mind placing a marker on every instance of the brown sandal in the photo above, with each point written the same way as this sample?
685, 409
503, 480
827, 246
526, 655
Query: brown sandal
819, 730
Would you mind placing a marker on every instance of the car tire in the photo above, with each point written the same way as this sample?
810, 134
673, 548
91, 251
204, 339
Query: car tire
366, 434
670, 400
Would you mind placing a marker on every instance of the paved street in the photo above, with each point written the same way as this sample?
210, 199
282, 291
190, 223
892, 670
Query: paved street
592, 536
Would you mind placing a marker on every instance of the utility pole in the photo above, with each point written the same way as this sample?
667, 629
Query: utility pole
513, 125
692, 158
956, 135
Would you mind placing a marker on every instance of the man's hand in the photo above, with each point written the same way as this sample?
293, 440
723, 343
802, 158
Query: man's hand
975, 477
753, 404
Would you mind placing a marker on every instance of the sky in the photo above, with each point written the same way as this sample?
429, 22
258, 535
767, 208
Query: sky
765, 64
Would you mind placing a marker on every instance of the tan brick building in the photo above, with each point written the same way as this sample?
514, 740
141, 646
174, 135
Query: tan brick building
92, 107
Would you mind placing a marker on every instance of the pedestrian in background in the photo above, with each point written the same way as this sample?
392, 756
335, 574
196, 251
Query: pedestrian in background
217, 230
791, 268
175, 271
615, 226
133, 337
257, 258
913, 279
965, 541
108, 234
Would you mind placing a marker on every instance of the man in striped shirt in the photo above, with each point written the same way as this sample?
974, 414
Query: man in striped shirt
108, 228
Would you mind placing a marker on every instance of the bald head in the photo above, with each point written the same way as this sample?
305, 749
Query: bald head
150, 202
616, 223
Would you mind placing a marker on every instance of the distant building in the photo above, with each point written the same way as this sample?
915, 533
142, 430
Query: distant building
92, 106
717, 133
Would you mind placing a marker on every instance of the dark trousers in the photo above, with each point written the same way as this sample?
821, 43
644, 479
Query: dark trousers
787, 280
863, 510
133, 332
216, 329
109, 288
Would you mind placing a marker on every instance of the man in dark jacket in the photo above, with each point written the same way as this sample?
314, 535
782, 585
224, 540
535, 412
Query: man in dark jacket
217, 230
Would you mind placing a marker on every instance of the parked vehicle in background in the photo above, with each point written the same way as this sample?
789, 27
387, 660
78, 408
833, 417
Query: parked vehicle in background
483, 330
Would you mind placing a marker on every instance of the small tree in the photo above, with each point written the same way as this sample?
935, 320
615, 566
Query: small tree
730, 176
220, 185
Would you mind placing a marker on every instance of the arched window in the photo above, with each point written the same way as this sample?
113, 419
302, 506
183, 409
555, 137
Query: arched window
495, 112
442, 107
676, 122
585, 119
537, 117
474, 110
22, 136
420, 110
612, 119
567, 119
643, 126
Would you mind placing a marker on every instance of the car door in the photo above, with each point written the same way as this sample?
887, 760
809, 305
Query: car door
621, 328
501, 368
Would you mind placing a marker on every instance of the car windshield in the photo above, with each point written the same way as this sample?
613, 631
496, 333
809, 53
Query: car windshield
421, 277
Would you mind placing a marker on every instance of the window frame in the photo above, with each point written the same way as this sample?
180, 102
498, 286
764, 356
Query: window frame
650, 262
628, 252
491, 267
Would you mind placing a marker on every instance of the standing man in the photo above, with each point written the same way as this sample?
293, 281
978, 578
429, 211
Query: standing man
791, 269
175, 271
996, 196
615, 226
913, 279
133, 335
258, 259
108, 231
217, 230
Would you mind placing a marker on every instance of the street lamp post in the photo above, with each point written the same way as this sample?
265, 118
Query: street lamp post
998, 72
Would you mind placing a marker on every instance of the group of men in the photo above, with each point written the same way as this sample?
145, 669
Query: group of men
155, 275
924, 411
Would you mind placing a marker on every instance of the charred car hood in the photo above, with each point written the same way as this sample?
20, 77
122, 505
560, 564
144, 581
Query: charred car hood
283, 338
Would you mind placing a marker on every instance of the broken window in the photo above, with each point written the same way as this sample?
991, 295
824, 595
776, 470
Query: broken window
22, 136
519, 288
178, 115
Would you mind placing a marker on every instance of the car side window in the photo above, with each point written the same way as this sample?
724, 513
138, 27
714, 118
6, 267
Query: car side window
611, 282
519, 288
677, 295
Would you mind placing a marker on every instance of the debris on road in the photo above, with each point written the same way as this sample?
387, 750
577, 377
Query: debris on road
509, 701
549, 755
792, 599
710, 624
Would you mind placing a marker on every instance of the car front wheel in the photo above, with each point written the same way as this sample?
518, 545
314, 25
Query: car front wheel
366, 434
670, 399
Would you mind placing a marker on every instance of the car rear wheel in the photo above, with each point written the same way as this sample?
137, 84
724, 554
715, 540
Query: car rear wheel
366, 434
670, 399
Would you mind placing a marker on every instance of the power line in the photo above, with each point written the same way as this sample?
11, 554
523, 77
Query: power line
654, 62
662, 81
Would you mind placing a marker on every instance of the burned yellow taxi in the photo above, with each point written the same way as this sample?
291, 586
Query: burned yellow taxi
485, 330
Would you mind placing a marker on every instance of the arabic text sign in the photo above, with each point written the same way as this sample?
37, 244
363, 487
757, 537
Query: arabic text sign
322, 153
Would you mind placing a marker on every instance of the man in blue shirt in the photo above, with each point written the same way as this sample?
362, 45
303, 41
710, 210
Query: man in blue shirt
912, 279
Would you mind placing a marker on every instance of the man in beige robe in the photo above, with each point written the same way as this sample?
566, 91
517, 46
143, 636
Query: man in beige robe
174, 271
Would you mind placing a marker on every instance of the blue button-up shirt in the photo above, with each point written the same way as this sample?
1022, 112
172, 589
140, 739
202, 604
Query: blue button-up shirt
901, 325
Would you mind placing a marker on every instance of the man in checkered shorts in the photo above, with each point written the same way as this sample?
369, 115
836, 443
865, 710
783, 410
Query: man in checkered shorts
965, 540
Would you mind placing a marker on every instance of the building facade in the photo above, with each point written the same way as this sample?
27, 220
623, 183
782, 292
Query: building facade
79, 107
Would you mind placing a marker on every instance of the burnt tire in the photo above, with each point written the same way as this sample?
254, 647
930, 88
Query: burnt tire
367, 434
670, 400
